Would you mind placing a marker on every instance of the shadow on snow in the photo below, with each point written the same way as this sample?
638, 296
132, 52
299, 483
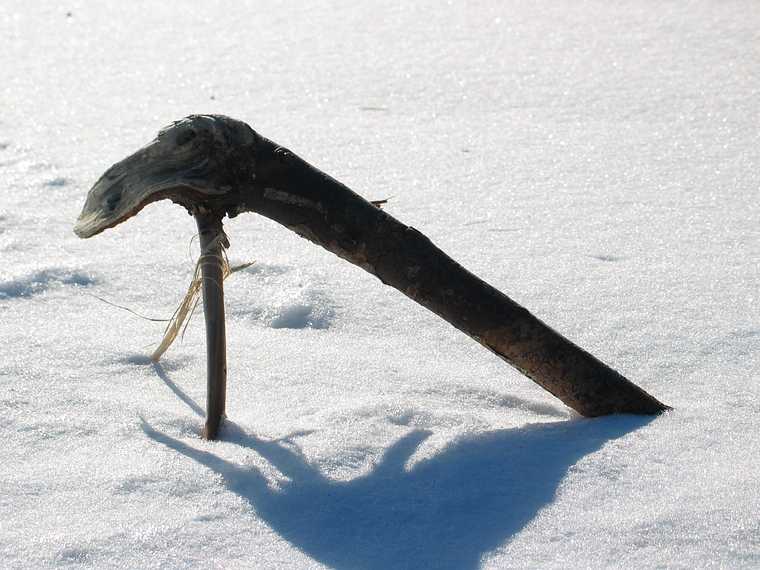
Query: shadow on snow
445, 512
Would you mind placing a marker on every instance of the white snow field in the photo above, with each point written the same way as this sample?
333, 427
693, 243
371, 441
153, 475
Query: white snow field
597, 161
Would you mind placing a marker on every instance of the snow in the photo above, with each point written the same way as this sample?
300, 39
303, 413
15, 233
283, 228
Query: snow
598, 162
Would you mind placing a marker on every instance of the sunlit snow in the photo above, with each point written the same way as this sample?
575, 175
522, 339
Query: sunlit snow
599, 162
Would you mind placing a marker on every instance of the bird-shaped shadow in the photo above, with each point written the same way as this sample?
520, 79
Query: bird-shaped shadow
444, 512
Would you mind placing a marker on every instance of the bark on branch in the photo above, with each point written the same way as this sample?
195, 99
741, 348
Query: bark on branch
211, 163
211, 237
290, 191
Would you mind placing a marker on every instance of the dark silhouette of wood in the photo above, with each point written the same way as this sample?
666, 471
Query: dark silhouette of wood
212, 240
224, 166
317, 207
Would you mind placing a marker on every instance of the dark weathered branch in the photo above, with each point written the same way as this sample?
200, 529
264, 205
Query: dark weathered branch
216, 164
212, 241
317, 207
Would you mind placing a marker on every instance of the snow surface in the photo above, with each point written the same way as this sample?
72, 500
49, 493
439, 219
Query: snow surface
597, 161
